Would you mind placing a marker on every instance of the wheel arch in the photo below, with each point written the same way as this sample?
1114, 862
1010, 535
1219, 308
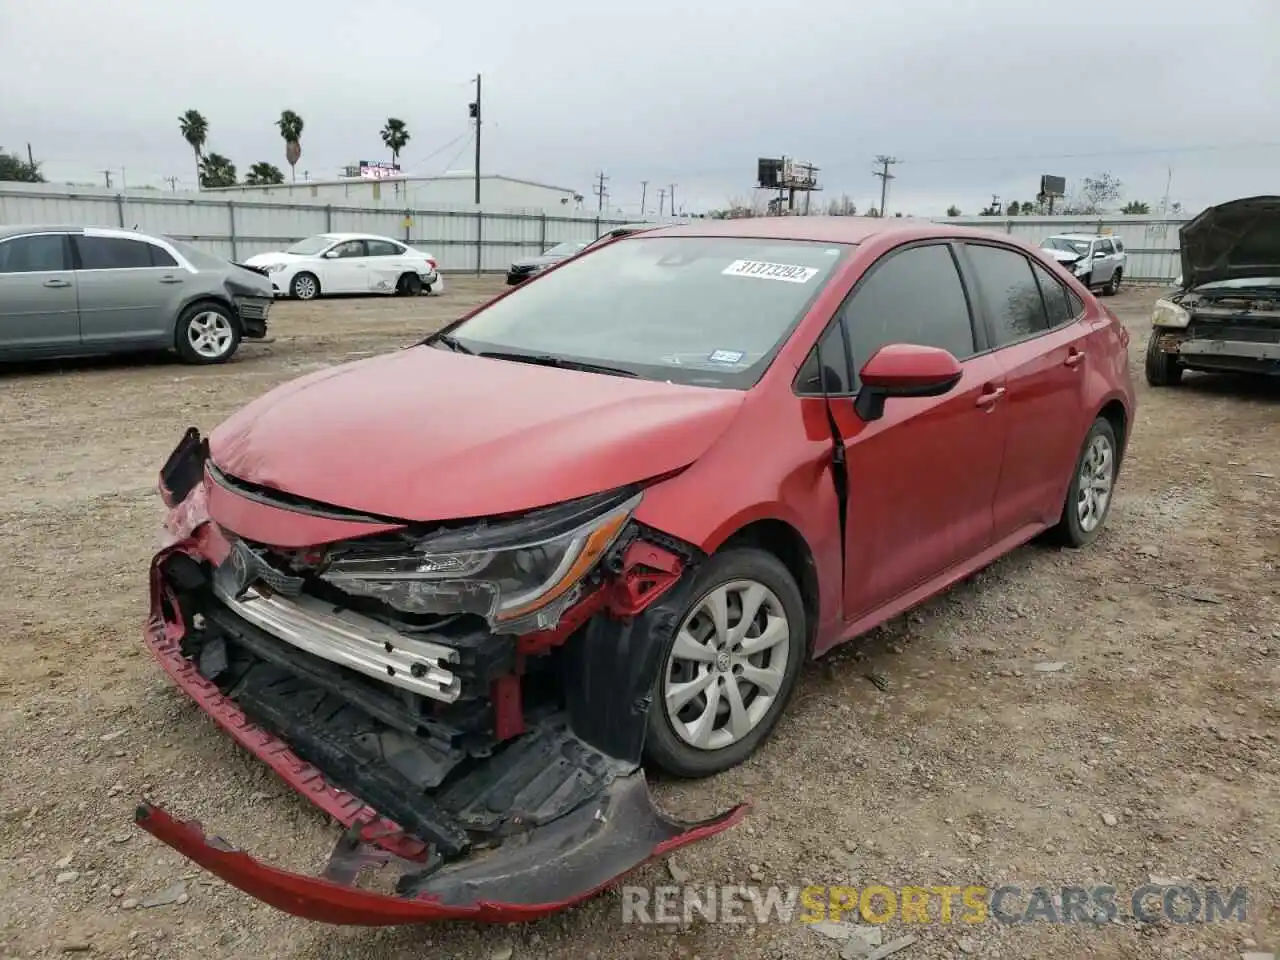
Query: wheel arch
783, 541
1117, 414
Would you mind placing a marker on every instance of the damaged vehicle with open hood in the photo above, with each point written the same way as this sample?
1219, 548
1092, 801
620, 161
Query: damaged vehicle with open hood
461, 596
1225, 314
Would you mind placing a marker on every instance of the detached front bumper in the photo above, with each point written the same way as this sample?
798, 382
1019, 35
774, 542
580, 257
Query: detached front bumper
481, 813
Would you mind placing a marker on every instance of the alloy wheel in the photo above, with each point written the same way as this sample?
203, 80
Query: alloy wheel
209, 334
1097, 475
727, 666
304, 288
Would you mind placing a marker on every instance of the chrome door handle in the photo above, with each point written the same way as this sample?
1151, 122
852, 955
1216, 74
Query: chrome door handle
989, 398
170, 279
57, 283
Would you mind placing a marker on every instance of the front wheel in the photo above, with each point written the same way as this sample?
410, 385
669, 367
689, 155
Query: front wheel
1113, 285
1162, 369
305, 287
730, 666
1089, 495
207, 333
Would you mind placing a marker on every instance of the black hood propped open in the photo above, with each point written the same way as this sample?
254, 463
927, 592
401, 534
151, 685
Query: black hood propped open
1232, 241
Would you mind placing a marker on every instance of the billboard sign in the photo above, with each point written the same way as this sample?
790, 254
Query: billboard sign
1051, 186
796, 173
378, 170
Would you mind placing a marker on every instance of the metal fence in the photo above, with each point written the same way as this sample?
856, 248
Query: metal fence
461, 238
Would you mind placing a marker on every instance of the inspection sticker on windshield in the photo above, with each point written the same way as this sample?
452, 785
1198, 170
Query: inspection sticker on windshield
789, 272
726, 356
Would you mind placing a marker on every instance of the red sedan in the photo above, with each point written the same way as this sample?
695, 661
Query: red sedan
457, 594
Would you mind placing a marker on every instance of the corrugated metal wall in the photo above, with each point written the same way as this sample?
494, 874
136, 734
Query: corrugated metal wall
460, 237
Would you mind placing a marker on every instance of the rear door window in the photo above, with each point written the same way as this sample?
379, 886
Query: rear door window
1010, 292
1056, 301
43, 253
910, 296
383, 248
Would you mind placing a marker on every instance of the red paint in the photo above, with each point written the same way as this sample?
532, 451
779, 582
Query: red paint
904, 366
315, 899
508, 714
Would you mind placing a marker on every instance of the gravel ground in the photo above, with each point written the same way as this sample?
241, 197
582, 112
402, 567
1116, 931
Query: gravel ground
1152, 750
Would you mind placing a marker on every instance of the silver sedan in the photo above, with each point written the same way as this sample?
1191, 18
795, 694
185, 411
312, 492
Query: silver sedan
71, 291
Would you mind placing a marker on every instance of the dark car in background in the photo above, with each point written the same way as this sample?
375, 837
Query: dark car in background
70, 291
521, 270
1225, 314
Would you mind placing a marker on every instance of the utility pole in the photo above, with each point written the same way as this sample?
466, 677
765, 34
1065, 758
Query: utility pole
124, 183
644, 189
475, 115
662, 195
31, 161
995, 204
173, 184
885, 176
106, 175
672, 195
600, 191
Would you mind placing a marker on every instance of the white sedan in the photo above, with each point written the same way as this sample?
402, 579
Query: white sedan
349, 263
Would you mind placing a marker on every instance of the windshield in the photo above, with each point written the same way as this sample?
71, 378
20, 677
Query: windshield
197, 258
708, 311
311, 246
1065, 243
564, 249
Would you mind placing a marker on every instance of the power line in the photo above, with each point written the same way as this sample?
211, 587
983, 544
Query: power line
438, 150
456, 156
885, 176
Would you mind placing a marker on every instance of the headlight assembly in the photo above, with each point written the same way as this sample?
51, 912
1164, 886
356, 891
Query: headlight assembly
275, 267
520, 574
1168, 314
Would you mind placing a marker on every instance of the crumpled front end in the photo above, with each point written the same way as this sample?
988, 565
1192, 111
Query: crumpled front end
481, 745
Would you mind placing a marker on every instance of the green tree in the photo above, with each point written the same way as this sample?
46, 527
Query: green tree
1094, 195
872, 212
14, 168
1135, 207
953, 211
395, 135
217, 171
1013, 209
263, 173
290, 125
195, 130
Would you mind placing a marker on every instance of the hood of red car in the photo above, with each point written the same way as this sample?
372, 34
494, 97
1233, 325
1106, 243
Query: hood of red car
426, 434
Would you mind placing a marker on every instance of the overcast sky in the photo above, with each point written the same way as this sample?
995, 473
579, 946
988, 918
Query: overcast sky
975, 97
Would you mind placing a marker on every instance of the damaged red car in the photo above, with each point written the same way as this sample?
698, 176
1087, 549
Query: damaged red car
461, 595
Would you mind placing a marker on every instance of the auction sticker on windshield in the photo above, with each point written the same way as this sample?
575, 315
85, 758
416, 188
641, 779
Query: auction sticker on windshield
791, 273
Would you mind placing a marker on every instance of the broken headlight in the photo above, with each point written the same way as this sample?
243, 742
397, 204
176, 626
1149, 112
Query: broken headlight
1168, 314
518, 574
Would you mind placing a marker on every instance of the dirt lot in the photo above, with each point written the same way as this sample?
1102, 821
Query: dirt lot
1152, 751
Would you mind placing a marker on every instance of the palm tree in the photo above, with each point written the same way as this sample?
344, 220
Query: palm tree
953, 211
217, 171
195, 130
395, 135
263, 173
290, 125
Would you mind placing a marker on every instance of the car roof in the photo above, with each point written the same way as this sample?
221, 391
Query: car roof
359, 236
1078, 236
851, 230
26, 229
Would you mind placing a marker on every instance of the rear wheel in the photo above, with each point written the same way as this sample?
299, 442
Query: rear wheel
1088, 499
409, 285
730, 666
207, 333
305, 286
1162, 369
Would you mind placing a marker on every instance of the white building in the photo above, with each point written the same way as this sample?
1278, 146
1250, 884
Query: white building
451, 189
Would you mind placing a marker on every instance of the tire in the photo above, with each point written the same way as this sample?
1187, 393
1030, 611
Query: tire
1075, 527
305, 286
737, 575
1087, 280
1113, 285
409, 285
1162, 369
207, 333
